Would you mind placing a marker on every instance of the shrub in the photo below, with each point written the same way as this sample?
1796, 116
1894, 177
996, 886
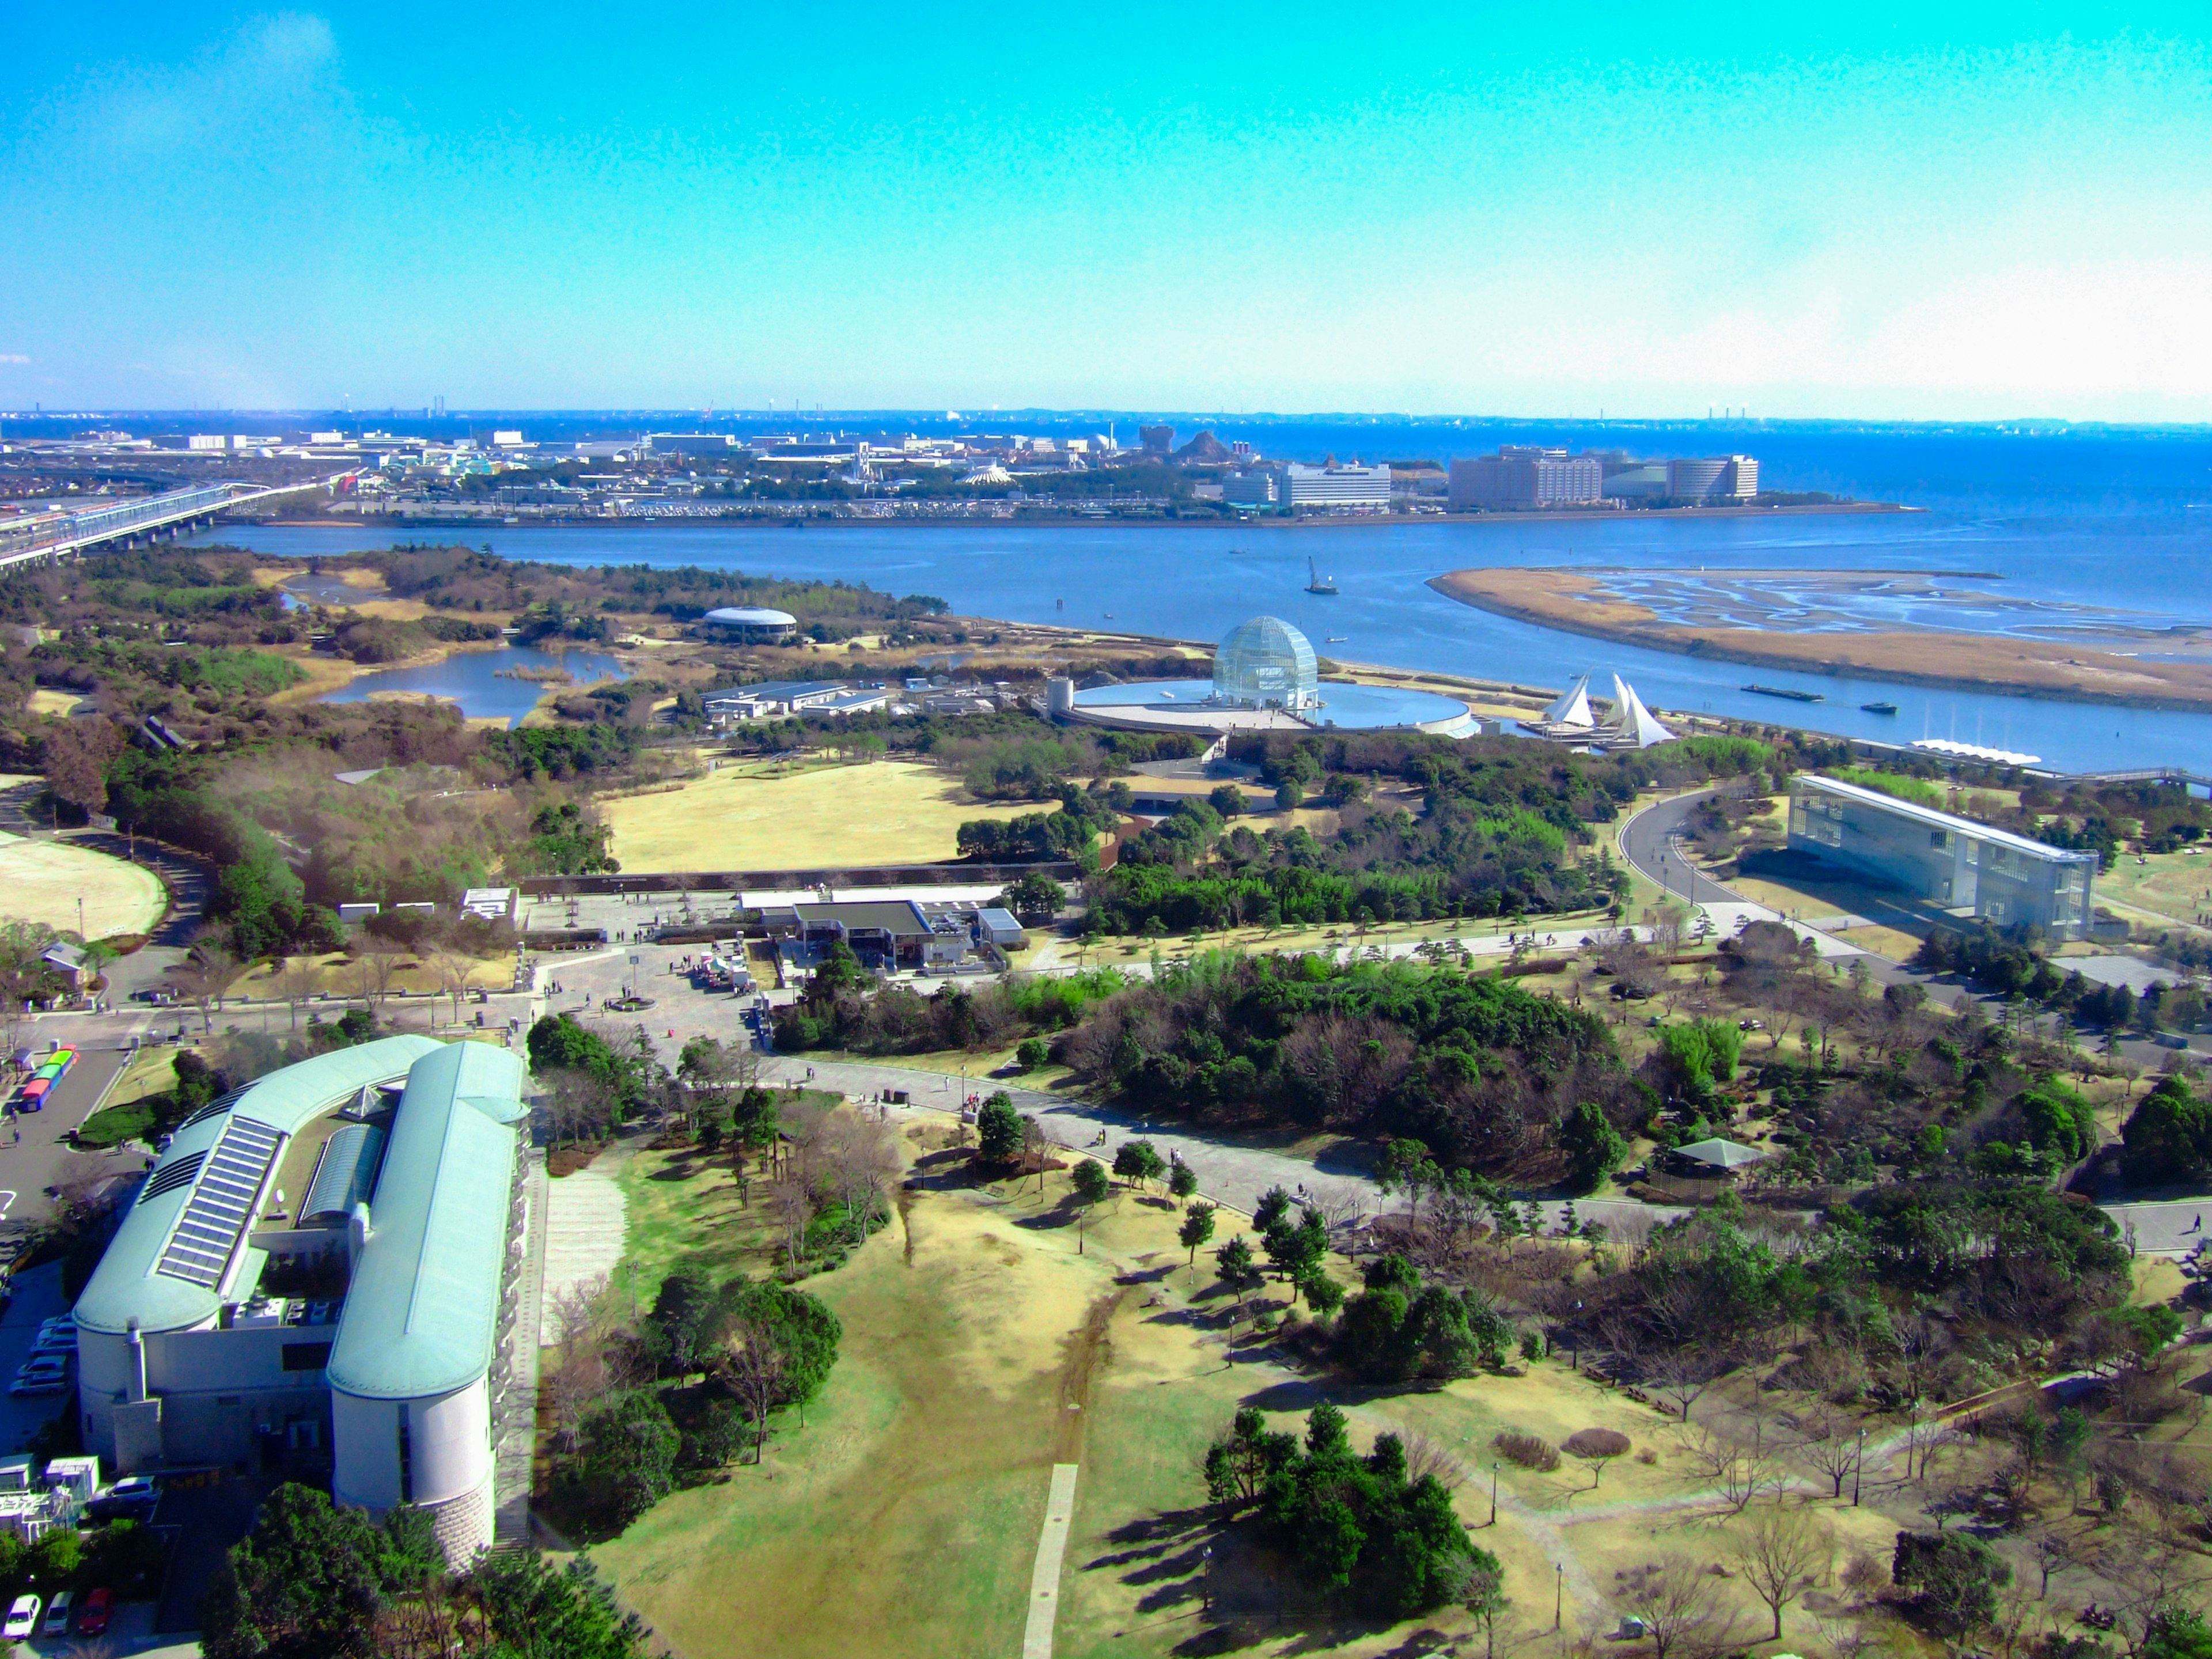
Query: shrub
1954, 1578
1596, 1443
1530, 1451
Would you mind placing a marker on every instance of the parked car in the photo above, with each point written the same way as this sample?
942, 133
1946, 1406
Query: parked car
28, 1387
133, 1497
99, 1608
57, 1614
23, 1619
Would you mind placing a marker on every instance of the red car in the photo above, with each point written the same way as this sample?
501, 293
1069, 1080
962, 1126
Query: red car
92, 1618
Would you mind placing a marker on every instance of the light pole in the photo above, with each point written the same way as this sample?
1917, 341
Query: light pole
1858, 1463
1493, 1494
1559, 1591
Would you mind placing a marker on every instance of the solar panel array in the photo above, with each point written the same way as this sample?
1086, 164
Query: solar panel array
222, 1205
215, 1108
170, 1176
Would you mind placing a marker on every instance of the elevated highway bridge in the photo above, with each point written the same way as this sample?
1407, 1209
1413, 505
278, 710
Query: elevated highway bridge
50, 537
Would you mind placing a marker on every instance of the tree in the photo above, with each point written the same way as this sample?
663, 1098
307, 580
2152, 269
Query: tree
309, 1580
1238, 1464
1139, 1161
543, 1611
1234, 1262
1274, 1204
296, 981
452, 970
1830, 1450
625, 1462
1033, 1053
1596, 1448
1197, 1229
998, 1130
77, 756
1786, 1545
204, 975
1954, 1578
752, 1367
1593, 1147
1183, 1181
1674, 1601
1091, 1182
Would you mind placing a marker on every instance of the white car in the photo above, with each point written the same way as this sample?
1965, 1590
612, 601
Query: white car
58, 1613
23, 1619
39, 1383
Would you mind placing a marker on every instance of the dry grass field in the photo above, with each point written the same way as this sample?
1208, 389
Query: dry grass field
2173, 888
43, 881
738, 817
979, 1349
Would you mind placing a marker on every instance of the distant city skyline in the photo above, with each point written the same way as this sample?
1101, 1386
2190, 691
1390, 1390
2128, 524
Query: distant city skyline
1891, 215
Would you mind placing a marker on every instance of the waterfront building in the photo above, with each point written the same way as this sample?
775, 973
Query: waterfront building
1713, 478
1527, 477
1261, 487
754, 624
1968, 868
1265, 664
199, 1344
1353, 489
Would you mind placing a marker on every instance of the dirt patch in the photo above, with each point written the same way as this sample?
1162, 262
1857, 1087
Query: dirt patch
1087, 1350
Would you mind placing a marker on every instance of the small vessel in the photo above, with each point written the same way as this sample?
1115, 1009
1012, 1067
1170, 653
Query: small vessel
1879, 708
1338, 639
1318, 583
1784, 691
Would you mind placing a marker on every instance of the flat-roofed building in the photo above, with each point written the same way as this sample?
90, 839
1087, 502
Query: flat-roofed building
1713, 478
1522, 476
1335, 488
401, 1156
2002, 879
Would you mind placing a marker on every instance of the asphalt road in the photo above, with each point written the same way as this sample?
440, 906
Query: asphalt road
33, 1159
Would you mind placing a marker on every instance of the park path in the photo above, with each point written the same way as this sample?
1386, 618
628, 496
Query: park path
586, 1224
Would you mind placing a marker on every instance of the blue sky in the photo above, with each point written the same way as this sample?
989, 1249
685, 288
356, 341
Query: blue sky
1864, 211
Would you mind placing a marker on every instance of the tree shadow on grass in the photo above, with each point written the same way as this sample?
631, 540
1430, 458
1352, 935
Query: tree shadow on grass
678, 1169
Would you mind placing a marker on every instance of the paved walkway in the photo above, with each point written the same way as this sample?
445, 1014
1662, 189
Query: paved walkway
584, 1226
1044, 1577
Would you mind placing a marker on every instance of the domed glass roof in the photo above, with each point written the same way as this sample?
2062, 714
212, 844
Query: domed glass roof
1266, 663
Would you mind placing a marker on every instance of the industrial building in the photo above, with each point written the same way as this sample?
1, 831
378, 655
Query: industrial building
891, 935
1967, 868
1527, 475
317, 1279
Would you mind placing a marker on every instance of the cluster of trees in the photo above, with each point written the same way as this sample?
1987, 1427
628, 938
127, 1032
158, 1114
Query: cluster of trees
2168, 1137
843, 1008
1376, 1530
312, 1581
1070, 833
1482, 1071
688, 1391
1400, 1327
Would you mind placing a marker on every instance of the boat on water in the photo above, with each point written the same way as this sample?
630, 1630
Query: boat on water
1318, 583
1338, 639
1879, 708
1784, 691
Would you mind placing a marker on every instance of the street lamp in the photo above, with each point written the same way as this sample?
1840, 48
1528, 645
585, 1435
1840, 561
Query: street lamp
1493, 1493
1559, 1591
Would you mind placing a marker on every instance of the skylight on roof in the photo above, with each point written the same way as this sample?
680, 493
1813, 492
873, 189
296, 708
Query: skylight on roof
222, 1204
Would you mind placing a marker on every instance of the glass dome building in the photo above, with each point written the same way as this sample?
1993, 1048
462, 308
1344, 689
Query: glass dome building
1266, 663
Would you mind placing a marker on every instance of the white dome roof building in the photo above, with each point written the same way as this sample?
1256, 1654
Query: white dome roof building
752, 621
1266, 663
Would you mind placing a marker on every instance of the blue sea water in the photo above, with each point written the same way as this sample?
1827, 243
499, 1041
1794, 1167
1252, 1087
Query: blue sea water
2116, 521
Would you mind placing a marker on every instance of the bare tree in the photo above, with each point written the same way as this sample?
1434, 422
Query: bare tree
297, 981
1785, 1548
750, 1365
863, 1161
1676, 1602
376, 961
452, 970
204, 975
1739, 1468
1830, 1448
1426, 1454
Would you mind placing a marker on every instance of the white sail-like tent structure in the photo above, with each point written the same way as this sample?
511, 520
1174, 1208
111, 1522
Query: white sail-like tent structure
1633, 725
1569, 714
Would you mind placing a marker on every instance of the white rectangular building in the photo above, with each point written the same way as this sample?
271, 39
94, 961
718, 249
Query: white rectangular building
1335, 488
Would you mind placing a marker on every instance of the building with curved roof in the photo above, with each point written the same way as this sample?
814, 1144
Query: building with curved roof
746, 622
406, 1154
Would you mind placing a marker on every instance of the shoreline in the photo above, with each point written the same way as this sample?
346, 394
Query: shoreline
1568, 601
1066, 520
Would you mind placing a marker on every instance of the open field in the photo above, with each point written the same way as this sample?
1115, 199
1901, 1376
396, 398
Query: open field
979, 1349
2169, 887
1581, 603
735, 818
43, 881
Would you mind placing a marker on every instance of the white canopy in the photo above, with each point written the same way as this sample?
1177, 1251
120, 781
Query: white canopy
1636, 725
1574, 708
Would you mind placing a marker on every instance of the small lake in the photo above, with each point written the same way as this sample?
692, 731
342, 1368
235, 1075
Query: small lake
474, 679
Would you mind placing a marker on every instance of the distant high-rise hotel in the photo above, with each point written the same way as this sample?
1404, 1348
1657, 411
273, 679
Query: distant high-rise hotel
1527, 475
1353, 489
1713, 479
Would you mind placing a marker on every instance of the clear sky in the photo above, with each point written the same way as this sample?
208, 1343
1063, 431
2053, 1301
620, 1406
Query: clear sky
1924, 211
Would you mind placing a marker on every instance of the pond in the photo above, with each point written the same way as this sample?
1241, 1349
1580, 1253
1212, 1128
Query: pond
482, 682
